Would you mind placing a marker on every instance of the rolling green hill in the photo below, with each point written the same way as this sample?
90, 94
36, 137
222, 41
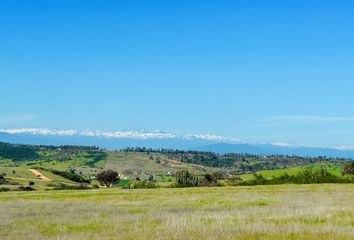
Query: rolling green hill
83, 163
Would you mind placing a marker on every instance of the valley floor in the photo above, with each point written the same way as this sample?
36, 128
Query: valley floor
323, 211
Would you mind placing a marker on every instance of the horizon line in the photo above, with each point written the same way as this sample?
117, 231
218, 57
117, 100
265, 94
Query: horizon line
156, 134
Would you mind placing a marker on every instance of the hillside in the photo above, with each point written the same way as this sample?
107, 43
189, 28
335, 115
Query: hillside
74, 165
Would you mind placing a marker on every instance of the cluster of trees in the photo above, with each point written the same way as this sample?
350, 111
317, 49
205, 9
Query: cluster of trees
17, 152
304, 177
241, 163
21, 152
237, 162
70, 175
109, 177
152, 150
183, 178
67, 147
186, 179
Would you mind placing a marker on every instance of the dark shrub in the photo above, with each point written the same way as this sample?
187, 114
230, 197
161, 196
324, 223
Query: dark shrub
25, 188
348, 169
209, 178
2, 179
62, 186
4, 189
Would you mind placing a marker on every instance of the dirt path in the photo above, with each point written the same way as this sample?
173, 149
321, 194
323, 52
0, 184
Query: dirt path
39, 175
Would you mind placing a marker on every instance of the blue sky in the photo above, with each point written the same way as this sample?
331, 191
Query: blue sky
260, 71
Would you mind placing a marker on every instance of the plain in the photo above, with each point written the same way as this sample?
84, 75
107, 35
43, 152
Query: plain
321, 211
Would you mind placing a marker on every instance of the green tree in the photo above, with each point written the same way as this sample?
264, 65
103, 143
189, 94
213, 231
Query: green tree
186, 179
107, 177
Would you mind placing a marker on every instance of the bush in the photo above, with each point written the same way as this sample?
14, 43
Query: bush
209, 180
62, 186
143, 184
2, 179
25, 188
4, 189
234, 180
348, 169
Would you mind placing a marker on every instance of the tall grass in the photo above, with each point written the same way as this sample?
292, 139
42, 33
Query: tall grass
323, 211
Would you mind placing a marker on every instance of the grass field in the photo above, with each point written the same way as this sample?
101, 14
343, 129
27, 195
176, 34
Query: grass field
261, 212
332, 167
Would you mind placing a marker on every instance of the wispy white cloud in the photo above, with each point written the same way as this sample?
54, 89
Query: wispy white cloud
143, 134
133, 134
90, 133
211, 137
127, 134
40, 131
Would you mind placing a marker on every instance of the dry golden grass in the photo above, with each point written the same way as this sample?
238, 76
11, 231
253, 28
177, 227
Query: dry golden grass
260, 212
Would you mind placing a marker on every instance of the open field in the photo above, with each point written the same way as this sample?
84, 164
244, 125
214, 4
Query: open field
262, 212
